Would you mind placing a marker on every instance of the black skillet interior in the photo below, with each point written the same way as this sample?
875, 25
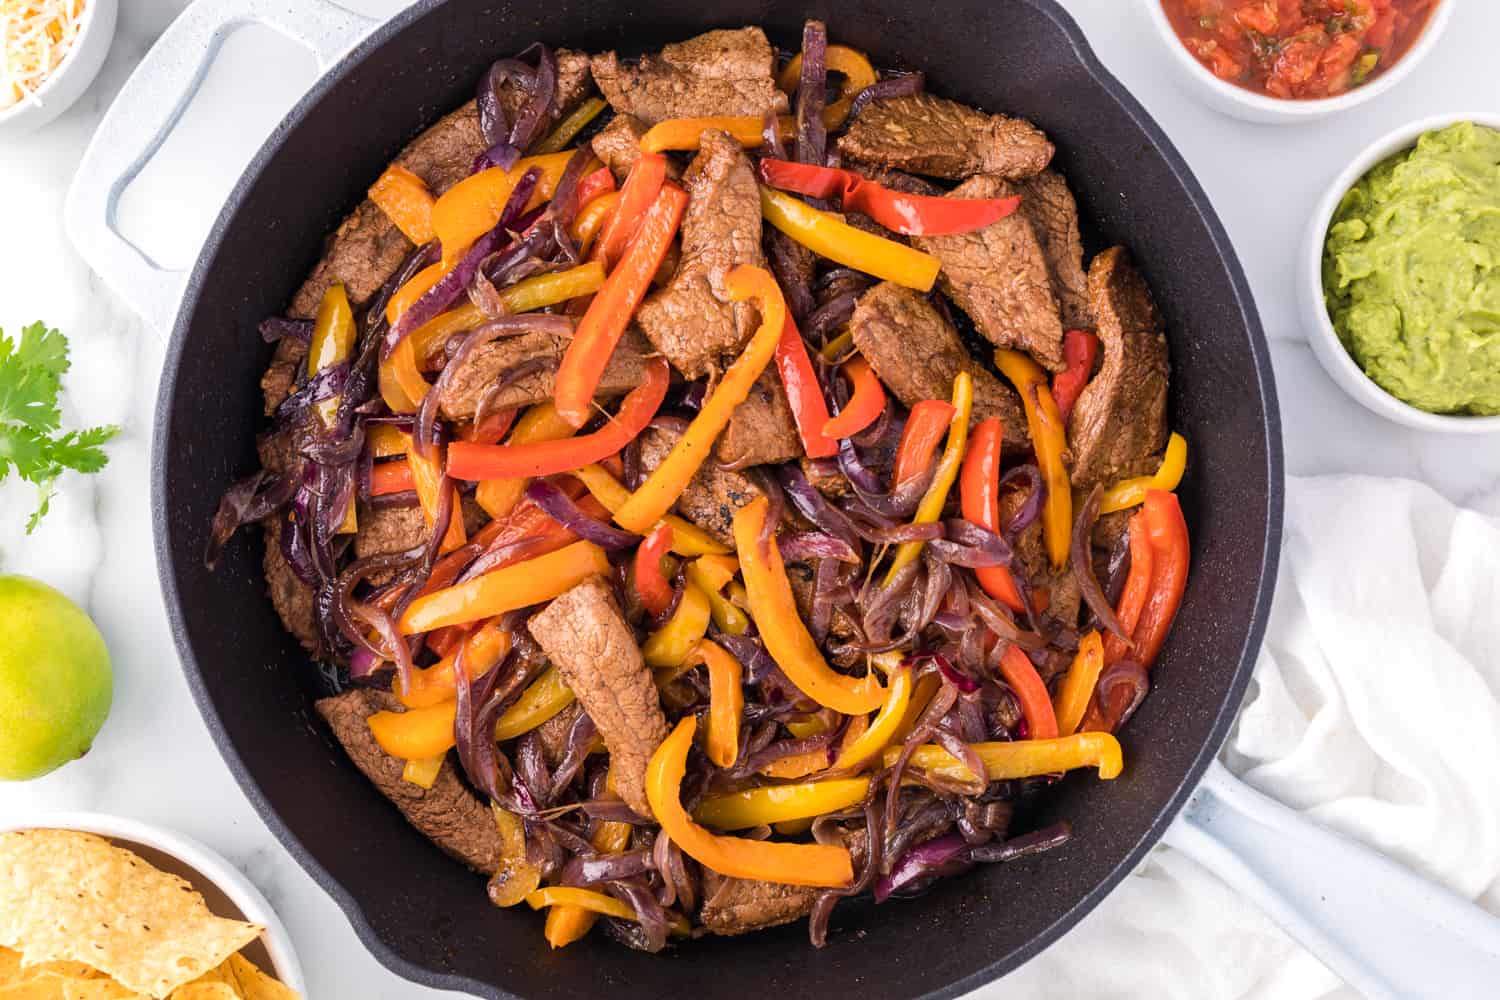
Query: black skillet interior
425, 916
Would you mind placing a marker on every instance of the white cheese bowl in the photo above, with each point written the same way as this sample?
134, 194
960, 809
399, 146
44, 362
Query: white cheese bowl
72, 76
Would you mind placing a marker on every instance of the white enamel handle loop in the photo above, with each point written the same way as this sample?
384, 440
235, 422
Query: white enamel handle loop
1386, 931
148, 109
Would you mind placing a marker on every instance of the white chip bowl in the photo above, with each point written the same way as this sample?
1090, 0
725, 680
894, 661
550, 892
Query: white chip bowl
1324, 340
209, 867
71, 77
1252, 107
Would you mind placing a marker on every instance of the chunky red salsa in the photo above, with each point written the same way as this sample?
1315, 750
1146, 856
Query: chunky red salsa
1303, 49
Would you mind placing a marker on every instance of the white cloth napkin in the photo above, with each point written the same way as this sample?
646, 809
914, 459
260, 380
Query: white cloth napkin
1375, 709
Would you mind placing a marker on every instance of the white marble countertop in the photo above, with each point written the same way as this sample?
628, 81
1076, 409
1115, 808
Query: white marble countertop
154, 760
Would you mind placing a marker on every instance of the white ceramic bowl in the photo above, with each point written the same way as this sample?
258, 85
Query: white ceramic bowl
1249, 106
197, 864
1325, 342
71, 78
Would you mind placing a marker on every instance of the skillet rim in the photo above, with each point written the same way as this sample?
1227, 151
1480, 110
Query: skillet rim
1224, 716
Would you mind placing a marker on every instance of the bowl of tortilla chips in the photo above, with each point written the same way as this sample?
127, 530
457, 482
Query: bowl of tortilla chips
96, 907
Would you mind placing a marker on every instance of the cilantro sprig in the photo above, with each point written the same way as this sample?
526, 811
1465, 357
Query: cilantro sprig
31, 439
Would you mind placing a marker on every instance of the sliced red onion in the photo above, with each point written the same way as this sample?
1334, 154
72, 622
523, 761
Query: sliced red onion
924, 863
501, 154
964, 683
485, 407
474, 739
811, 504
276, 328
812, 94
651, 917
1027, 844
968, 545
829, 316
558, 506
540, 85
787, 257
880, 90
999, 621
900, 502
800, 545
445, 291
1118, 568
1129, 678
1082, 555
247, 501
589, 870
395, 501
575, 751
1036, 495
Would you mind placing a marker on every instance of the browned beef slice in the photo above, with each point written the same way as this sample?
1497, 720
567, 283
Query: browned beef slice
928, 135
712, 496
736, 905
1049, 206
625, 371
762, 430
389, 529
293, 599
448, 813
692, 321
280, 379
1121, 416
554, 734
999, 276
618, 144
917, 354
826, 478
725, 72
588, 639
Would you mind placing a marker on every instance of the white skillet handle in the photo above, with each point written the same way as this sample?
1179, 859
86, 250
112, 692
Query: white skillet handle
145, 113
1384, 930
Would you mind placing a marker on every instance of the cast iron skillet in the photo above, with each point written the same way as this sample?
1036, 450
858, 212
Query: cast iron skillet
428, 918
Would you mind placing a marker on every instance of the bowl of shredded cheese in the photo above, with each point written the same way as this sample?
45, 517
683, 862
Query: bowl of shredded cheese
50, 51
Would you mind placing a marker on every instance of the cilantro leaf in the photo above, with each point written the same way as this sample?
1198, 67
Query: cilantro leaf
30, 379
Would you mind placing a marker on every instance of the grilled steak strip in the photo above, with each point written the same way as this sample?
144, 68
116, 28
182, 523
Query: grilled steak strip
923, 134
724, 72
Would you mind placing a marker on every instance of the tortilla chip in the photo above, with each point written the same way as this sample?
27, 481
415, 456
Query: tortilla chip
10, 967
245, 980
66, 895
45, 987
98, 989
200, 990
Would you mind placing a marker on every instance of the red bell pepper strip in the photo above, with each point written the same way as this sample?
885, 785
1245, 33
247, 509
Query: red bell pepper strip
1137, 589
608, 314
864, 407
651, 586
390, 477
1031, 692
1167, 530
467, 460
910, 214
638, 194
599, 182
1080, 351
924, 431
809, 408
979, 502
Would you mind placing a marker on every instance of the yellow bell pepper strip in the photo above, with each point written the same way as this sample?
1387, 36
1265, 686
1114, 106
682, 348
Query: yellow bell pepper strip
684, 134
930, 508
546, 458
670, 645
423, 771
921, 697
786, 637
779, 803
830, 236
597, 902
1128, 493
1031, 691
610, 311
800, 765
484, 648
882, 731
570, 126
1023, 758
664, 486
590, 220
856, 69
713, 572
416, 286
427, 478
542, 699
726, 701
516, 877
516, 586
385, 440
793, 864
864, 406
400, 379
472, 207
405, 200
651, 584
837, 347
332, 341
708, 576
793, 827
1078, 685
499, 497
687, 538
417, 732
1049, 436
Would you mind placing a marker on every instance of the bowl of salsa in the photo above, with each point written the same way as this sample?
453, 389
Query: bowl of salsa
1296, 60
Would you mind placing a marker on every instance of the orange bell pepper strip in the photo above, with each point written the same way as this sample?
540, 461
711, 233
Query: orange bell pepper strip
499, 497
639, 192
598, 902
416, 733
594, 185
881, 732
570, 126
687, 538
390, 477
1078, 685
857, 72
803, 392
472, 207
547, 458
517, 586
416, 286
608, 314
1136, 591
405, 200
726, 701
1023, 758
591, 219
1080, 351
664, 486
791, 864
1050, 437
1166, 529
864, 406
400, 379
828, 235
684, 134
920, 438
979, 498
483, 648
427, 477
930, 507
651, 586
1036, 704
775, 613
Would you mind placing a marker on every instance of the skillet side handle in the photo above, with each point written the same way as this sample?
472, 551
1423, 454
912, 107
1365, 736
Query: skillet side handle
1384, 930
146, 111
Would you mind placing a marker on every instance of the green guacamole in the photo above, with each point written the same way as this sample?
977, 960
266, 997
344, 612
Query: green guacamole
1411, 272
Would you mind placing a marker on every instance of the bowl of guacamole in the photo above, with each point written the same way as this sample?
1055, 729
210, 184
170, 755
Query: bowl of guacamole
1408, 273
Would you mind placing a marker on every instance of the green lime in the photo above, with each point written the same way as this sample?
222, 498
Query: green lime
55, 679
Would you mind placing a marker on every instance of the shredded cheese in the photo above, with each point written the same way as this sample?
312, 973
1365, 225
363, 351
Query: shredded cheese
35, 37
